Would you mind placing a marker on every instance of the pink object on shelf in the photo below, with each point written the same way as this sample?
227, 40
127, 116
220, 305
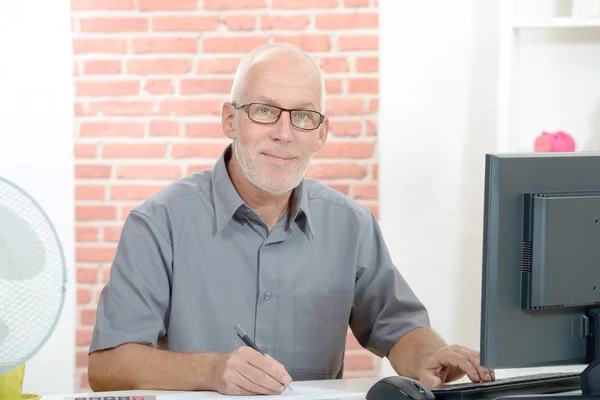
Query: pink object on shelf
554, 142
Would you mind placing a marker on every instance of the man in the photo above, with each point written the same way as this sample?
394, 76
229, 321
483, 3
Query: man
251, 242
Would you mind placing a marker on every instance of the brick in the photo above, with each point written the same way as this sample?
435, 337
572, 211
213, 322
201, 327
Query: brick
101, 5
206, 85
336, 171
99, 46
113, 24
204, 129
351, 149
104, 275
152, 172
86, 233
125, 210
87, 316
225, 44
164, 45
375, 172
334, 64
133, 192
233, 4
83, 380
164, 128
363, 85
358, 361
344, 189
102, 67
83, 295
158, 5
356, 3
284, 22
78, 108
86, 275
306, 4
345, 106
185, 23
358, 42
83, 336
309, 43
159, 66
81, 358
333, 85
89, 192
159, 86
111, 129
222, 65
198, 150
366, 191
111, 233
107, 88
134, 150
95, 213
190, 107
345, 128
239, 22
92, 171
120, 108
371, 127
347, 21
367, 64
197, 168
373, 105
85, 150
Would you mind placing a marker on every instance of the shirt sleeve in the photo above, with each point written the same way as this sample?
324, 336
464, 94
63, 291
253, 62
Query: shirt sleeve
385, 307
134, 303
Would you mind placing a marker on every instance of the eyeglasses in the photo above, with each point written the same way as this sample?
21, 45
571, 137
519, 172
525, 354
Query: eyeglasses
268, 114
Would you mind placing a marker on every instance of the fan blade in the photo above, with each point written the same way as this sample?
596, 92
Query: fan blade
22, 253
3, 331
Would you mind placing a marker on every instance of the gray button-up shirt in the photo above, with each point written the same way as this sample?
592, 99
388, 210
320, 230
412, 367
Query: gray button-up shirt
194, 260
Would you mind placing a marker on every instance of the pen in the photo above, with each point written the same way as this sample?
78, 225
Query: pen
246, 339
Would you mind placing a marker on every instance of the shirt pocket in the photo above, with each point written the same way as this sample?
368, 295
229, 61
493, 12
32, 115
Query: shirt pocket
321, 326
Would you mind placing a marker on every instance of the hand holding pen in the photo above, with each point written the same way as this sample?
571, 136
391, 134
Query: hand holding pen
247, 371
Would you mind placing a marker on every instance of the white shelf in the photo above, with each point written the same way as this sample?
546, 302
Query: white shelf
557, 22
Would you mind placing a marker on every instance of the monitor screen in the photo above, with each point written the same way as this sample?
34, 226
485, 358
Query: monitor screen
541, 260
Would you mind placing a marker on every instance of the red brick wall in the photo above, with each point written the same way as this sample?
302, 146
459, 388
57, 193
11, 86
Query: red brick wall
150, 76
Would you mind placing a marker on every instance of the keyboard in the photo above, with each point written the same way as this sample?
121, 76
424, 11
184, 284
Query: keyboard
544, 383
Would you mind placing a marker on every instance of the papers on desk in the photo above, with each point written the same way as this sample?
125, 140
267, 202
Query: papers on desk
298, 393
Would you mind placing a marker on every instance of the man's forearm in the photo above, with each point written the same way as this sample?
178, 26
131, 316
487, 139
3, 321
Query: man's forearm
413, 349
135, 366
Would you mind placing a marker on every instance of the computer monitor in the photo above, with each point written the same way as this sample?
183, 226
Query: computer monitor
541, 263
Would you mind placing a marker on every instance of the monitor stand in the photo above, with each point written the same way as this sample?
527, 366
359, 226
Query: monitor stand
590, 376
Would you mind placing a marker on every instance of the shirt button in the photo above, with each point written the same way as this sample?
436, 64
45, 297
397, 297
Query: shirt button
244, 222
263, 349
267, 295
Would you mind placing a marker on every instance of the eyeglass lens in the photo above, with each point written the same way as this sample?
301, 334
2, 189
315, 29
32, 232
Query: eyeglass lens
266, 114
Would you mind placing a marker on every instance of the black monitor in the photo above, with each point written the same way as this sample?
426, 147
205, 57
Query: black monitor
541, 263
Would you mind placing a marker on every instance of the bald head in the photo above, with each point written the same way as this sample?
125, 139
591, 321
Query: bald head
278, 59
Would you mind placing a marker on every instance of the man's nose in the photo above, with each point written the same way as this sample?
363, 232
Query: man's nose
284, 130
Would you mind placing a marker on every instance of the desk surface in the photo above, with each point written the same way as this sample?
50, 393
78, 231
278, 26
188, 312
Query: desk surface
360, 385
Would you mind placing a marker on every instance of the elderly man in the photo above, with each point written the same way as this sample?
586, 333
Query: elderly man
251, 242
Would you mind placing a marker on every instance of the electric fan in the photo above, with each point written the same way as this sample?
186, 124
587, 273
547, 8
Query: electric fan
32, 277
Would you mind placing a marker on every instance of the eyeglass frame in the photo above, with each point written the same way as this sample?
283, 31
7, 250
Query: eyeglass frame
246, 108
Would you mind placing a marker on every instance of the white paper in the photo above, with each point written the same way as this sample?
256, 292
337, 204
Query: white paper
298, 393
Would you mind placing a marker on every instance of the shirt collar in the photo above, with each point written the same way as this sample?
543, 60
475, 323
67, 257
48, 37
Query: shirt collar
227, 200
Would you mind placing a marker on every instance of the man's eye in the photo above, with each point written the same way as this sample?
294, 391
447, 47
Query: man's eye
263, 110
302, 115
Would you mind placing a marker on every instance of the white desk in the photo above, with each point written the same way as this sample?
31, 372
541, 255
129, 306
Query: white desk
360, 385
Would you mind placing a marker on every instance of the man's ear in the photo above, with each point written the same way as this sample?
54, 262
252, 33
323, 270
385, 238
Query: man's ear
228, 120
323, 132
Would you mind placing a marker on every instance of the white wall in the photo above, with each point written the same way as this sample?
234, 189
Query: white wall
36, 151
438, 118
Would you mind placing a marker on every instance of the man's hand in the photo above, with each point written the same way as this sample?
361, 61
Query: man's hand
247, 372
451, 363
